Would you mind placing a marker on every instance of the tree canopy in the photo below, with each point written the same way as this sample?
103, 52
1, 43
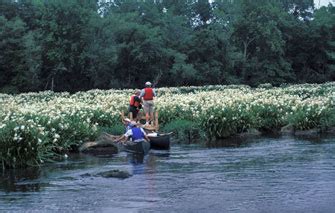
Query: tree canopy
73, 45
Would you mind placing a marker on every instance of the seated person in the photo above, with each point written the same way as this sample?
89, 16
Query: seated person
136, 133
126, 122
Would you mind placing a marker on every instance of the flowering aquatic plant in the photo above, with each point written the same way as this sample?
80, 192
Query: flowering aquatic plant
46, 123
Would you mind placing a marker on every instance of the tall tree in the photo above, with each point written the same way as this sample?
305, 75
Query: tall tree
123, 43
261, 43
140, 51
63, 24
19, 56
202, 13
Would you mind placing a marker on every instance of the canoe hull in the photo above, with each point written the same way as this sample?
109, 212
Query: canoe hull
142, 147
160, 142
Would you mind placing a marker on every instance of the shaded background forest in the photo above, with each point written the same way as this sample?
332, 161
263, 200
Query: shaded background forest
72, 45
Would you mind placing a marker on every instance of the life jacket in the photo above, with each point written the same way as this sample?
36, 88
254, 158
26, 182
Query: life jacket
134, 103
137, 134
149, 94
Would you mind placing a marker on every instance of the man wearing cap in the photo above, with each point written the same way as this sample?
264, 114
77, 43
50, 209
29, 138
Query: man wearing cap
127, 123
136, 133
147, 95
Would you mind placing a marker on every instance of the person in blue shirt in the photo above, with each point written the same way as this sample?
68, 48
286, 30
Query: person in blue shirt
136, 133
127, 124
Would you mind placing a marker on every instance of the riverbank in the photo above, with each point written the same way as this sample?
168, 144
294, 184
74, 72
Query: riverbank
39, 127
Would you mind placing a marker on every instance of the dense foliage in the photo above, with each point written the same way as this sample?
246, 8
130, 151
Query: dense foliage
35, 127
73, 45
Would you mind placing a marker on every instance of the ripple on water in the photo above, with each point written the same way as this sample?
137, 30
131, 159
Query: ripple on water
261, 175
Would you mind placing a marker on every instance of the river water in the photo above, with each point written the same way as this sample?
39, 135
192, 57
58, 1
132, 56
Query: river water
265, 174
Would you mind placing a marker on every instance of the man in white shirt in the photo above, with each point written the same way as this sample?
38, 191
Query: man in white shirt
136, 133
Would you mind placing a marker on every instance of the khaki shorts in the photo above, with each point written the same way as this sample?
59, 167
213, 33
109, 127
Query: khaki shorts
148, 106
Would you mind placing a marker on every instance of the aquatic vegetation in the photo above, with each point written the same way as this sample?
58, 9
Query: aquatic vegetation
184, 130
36, 127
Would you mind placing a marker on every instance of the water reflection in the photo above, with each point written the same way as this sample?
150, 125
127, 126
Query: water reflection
136, 160
146, 163
240, 140
161, 154
315, 138
264, 175
23, 180
235, 141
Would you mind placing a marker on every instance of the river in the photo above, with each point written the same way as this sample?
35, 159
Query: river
267, 174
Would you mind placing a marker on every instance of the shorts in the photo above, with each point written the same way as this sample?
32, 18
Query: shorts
133, 110
148, 106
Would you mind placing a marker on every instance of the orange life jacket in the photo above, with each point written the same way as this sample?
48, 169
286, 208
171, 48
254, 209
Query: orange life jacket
134, 103
149, 94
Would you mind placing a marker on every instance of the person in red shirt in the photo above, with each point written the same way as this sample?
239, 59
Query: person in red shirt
135, 104
147, 95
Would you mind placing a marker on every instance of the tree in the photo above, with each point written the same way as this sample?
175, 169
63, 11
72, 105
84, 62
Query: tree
19, 56
299, 8
140, 51
99, 55
63, 24
262, 45
202, 13
78, 45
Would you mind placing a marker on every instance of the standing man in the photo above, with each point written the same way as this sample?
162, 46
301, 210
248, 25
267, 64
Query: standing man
147, 95
135, 104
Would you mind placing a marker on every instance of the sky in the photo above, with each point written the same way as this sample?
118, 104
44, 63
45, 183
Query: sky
320, 3
323, 2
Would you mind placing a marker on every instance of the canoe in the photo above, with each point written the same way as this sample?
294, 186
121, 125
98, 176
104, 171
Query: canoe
137, 147
160, 141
